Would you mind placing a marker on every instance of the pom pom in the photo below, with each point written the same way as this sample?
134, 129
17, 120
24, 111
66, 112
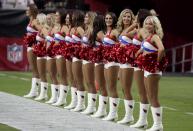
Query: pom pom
30, 40
85, 52
77, 49
149, 62
50, 51
110, 53
67, 51
40, 49
96, 54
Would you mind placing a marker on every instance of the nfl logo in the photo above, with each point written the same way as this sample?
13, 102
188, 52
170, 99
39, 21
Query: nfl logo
14, 53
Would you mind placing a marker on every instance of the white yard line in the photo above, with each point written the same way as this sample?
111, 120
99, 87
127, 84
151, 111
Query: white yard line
2, 74
189, 113
25, 79
170, 108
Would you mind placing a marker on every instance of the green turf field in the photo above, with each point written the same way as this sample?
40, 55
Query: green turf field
6, 128
176, 95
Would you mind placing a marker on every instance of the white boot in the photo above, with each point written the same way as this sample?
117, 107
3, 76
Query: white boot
73, 99
112, 116
91, 108
142, 122
81, 102
101, 112
128, 118
62, 96
34, 88
43, 92
54, 94
157, 119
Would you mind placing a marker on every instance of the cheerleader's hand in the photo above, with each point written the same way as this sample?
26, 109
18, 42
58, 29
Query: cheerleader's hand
138, 53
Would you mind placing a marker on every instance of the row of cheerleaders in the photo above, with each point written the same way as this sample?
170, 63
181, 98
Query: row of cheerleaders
99, 49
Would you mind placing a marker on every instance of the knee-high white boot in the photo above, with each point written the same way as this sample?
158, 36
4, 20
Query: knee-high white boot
91, 108
62, 96
101, 112
112, 116
43, 92
128, 118
34, 88
54, 94
157, 119
142, 121
81, 102
73, 99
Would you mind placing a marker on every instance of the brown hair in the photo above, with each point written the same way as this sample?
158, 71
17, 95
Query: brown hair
77, 18
33, 10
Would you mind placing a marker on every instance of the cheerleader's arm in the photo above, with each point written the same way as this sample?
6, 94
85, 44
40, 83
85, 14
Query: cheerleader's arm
80, 31
131, 28
138, 52
115, 33
100, 36
132, 33
157, 41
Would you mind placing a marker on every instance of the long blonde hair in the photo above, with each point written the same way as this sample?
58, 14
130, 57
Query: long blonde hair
52, 18
157, 25
120, 25
41, 18
91, 16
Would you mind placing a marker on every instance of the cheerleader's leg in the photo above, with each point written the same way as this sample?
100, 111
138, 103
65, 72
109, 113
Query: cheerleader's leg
153, 90
35, 75
63, 86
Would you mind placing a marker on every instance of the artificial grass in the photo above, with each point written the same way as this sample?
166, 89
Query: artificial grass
4, 127
175, 92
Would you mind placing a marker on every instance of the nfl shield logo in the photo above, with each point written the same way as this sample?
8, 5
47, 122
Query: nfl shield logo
14, 53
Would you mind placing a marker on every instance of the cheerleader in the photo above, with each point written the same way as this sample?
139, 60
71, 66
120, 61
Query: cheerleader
40, 51
29, 41
153, 62
139, 74
111, 66
67, 53
88, 67
97, 58
124, 26
60, 60
77, 33
51, 60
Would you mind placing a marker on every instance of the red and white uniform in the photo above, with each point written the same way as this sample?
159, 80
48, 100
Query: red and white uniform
49, 46
59, 43
137, 45
67, 50
30, 37
148, 62
124, 52
86, 50
96, 53
76, 47
40, 48
109, 52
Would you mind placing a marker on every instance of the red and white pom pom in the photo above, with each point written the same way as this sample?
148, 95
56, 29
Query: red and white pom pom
85, 52
77, 49
149, 62
96, 54
30, 40
40, 49
121, 54
50, 51
67, 51
109, 54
